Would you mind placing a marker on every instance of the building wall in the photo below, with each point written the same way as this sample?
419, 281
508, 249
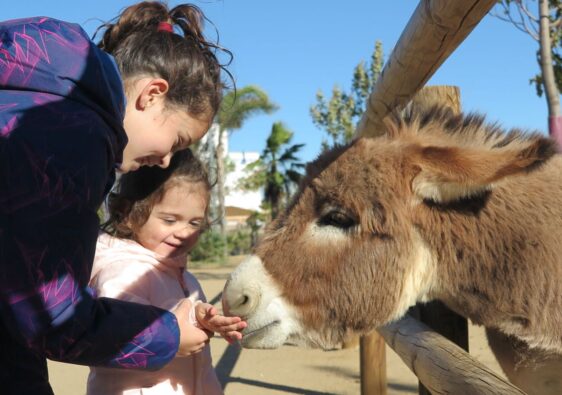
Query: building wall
234, 196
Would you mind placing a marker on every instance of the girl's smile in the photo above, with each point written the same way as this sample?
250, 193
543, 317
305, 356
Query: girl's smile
173, 227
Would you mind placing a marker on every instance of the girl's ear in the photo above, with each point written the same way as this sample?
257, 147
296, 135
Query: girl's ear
152, 91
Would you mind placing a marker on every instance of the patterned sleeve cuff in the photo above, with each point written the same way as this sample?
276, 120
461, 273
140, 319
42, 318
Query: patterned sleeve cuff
152, 348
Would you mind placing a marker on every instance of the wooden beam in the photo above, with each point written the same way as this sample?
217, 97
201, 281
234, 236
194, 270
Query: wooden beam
434, 31
443, 367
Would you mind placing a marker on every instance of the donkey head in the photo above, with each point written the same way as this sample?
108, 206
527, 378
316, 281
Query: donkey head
346, 256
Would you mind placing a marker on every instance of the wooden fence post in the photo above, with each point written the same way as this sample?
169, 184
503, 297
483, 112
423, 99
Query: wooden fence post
372, 356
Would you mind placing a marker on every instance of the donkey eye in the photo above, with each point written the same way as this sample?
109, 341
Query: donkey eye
337, 219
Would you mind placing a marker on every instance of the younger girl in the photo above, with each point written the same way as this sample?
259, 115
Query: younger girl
155, 220
71, 113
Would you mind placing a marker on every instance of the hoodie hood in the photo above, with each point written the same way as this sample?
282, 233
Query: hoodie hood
57, 59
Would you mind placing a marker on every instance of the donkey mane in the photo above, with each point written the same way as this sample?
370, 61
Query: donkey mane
471, 130
441, 127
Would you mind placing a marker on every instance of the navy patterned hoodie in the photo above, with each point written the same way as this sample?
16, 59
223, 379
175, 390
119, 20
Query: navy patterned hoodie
61, 138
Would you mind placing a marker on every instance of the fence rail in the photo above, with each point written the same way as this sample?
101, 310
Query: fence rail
442, 366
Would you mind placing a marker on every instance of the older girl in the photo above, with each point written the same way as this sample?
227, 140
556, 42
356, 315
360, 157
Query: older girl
70, 114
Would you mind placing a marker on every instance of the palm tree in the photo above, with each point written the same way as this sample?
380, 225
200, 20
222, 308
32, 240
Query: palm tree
237, 106
277, 169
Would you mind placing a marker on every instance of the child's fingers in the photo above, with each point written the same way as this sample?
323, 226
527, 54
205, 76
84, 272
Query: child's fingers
220, 320
205, 310
232, 336
220, 323
202, 308
212, 311
232, 328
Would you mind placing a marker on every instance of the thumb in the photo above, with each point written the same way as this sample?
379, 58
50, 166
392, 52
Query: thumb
203, 310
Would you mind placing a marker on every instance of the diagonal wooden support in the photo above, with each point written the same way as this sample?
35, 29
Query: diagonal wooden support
434, 31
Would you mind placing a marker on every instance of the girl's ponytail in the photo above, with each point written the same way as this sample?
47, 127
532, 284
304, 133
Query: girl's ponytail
143, 16
142, 44
190, 19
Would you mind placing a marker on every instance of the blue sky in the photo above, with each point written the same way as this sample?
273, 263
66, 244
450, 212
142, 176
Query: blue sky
292, 48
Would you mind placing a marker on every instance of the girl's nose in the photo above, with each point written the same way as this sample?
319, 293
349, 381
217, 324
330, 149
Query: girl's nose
165, 161
184, 233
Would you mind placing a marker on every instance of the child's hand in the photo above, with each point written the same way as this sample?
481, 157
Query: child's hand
192, 339
228, 327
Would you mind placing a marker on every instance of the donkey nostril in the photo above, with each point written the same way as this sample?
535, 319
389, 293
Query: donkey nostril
241, 305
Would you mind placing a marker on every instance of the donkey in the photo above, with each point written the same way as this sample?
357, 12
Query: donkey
443, 206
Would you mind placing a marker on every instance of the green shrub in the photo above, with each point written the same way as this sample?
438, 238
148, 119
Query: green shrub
211, 245
209, 248
239, 242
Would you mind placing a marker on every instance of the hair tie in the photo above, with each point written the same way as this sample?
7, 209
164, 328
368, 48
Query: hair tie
165, 27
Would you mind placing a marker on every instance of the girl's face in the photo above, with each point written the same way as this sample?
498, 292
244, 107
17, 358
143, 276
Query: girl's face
175, 223
155, 132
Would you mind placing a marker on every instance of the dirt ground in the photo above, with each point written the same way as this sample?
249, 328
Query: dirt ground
288, 370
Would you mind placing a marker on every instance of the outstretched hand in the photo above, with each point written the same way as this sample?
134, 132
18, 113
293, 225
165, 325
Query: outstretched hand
228, 327
192, 338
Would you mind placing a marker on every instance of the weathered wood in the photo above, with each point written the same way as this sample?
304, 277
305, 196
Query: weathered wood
443, 367
372, 354
445, 322
443, 95
434, 31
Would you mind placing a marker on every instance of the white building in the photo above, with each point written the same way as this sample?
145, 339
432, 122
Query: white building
250, 200
234, 196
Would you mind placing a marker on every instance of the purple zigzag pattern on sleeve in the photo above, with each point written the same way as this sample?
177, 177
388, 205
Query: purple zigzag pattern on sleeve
61, 133
144, 352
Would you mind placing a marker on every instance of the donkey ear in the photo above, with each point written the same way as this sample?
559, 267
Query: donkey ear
448, 174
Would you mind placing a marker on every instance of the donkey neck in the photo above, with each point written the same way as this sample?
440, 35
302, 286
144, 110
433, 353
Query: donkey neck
511, 240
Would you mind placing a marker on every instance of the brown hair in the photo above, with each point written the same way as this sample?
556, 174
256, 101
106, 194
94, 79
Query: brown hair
187, 61
137, 192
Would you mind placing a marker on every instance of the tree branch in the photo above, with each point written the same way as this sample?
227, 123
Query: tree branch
527, 22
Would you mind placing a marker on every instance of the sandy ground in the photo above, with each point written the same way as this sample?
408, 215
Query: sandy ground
288, 370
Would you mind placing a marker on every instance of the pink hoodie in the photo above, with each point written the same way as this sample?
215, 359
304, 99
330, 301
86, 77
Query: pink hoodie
125, 270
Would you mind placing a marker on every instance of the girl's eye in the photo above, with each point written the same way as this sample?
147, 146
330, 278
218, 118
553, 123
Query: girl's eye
196, 224
169, 221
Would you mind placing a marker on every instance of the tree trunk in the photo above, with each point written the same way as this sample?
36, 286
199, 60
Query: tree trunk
549, 82
221, 179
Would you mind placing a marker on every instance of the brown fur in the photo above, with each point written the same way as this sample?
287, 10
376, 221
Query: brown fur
486, 204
